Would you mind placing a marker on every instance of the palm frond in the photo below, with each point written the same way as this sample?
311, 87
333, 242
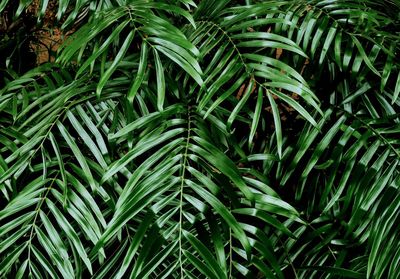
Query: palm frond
205, 139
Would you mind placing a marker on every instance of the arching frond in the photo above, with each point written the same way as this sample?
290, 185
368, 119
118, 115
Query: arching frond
204, 139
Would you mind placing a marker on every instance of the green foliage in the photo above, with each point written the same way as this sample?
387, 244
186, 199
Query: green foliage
206, 139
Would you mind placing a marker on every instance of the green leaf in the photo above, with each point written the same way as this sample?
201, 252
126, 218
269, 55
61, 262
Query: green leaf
111, 38
120, 55
13, 238
160, 81
78, 155
224, 212
61, 164
364, 55
63, 264
70, 232
44, 263
277, 122
146, 120
257, 114
138, 150
135, 243
144, 52
184, 64
87, 139
9, 260
207, 256
300, 109
60, 249
240, 104
157, 260
328, 41
21, 271
277, 64
396, 89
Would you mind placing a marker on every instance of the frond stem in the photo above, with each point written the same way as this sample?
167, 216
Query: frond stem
37, 210
184, 163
